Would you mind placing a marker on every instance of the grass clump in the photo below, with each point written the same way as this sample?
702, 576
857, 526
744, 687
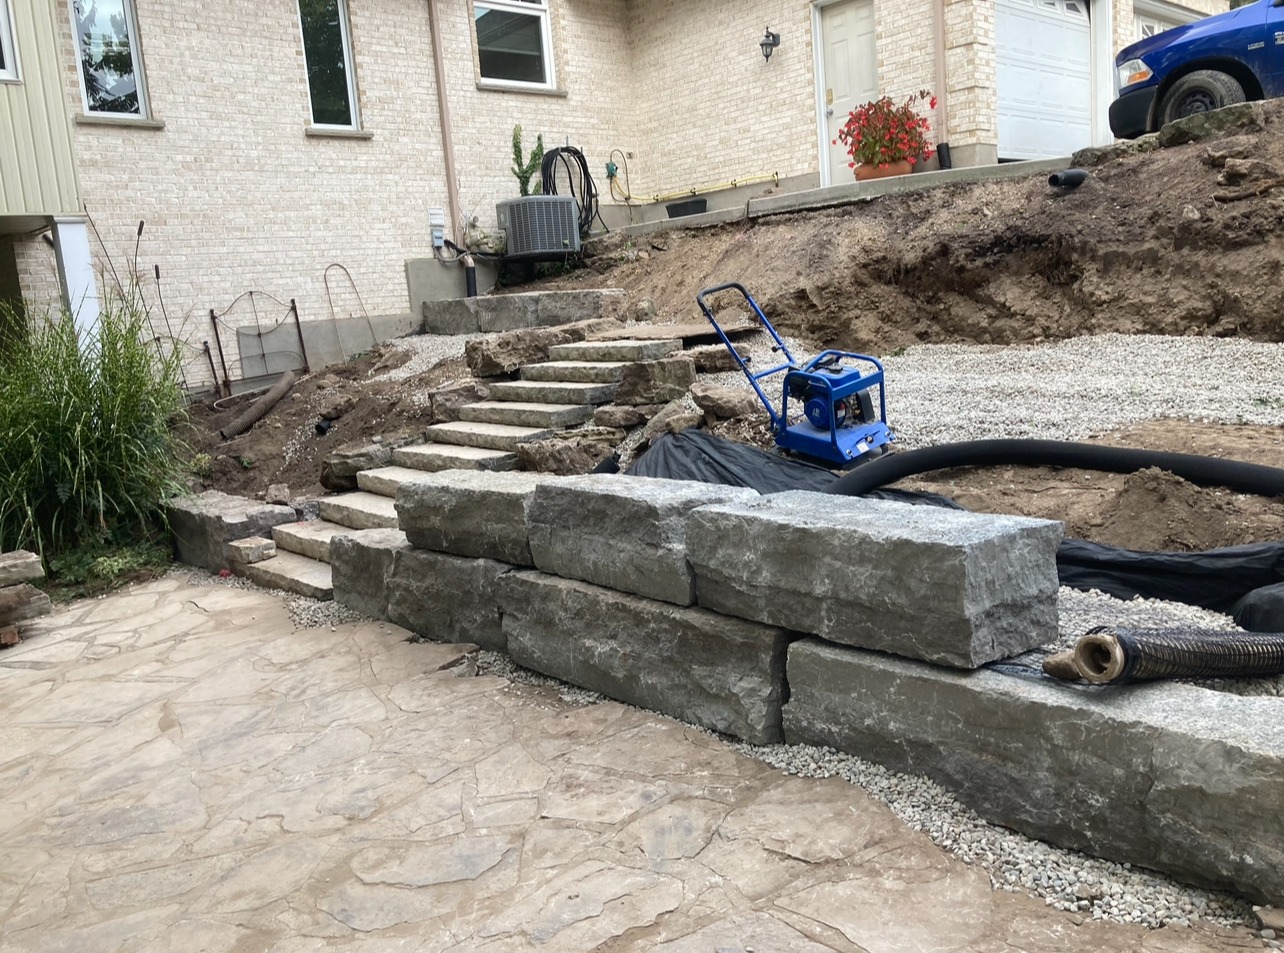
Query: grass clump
88, 449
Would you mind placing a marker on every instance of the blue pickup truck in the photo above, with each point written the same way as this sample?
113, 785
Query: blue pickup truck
1224, 59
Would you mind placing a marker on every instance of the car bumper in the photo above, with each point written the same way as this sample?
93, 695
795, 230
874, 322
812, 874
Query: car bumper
1130, 113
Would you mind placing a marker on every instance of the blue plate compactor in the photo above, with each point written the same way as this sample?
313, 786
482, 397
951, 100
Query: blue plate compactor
841, 421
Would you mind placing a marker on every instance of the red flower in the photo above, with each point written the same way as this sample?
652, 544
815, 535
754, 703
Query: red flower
881, 132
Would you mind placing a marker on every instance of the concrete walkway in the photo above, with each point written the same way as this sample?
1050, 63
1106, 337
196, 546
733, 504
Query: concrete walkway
183, 770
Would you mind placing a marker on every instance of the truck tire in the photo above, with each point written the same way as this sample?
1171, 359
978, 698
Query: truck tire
1198, 92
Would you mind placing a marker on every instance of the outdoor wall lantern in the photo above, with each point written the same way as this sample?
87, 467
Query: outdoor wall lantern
769, 43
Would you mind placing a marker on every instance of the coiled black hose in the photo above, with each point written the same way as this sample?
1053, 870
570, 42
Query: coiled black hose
258, 410
1113, 656
578, 181
1202, 471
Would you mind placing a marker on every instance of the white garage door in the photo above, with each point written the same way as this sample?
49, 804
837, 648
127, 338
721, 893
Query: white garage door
1044, 77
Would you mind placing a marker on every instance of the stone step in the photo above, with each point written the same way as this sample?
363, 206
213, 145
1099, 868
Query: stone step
434, 457
553, 392
468, 433
597, 351
360, 510
511, 312
519, 414
584, 372
384, 481
310, 538
293, 573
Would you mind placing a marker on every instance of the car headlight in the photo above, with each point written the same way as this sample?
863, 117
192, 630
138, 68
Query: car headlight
1134, 71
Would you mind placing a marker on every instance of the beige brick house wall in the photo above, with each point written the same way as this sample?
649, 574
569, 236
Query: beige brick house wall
595, 107
712, 108
236, 196
37, 274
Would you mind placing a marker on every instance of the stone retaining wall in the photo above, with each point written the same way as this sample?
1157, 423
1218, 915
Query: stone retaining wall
1170, 777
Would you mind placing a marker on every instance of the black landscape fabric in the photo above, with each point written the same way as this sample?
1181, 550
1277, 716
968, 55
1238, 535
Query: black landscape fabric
1217, 579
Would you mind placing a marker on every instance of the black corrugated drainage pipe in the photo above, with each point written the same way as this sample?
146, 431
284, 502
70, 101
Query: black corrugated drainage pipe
1202, 471
1118, 656
1068, 179
258, 410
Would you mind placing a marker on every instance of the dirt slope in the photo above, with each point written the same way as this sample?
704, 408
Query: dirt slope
1144, 246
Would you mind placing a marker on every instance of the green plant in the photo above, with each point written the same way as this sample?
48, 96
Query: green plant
201, 465
881, 132
88, 452
96, 567
525, 169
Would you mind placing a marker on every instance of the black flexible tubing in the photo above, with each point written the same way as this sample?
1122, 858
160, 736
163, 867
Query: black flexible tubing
1202, 471
1118, 656
259, 409
577, 174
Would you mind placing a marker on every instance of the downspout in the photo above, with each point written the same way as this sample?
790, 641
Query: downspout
447, 135
942, 80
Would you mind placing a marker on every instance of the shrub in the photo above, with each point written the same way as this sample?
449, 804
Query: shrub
88, 451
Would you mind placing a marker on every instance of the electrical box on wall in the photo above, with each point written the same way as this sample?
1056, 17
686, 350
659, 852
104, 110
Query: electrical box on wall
437, 223
540, 226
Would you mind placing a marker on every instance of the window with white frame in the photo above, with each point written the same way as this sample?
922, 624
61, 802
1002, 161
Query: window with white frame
1155, 16
327, 50
1149, 26
111, 69
8, 52
514, 45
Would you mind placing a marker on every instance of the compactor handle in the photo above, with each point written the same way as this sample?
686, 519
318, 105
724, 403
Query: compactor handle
729, 286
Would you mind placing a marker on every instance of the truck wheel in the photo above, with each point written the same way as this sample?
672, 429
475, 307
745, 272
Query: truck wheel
1199, 92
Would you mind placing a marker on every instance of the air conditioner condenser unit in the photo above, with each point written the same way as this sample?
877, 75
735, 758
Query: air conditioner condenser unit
540, 226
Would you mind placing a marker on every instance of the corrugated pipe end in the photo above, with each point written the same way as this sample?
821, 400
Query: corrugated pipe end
259, 409
1068, 179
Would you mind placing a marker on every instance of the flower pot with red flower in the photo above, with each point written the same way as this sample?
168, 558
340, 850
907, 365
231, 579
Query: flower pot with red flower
885, 139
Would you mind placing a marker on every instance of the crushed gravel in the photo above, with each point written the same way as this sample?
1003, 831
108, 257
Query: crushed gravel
426, 352
1065, 879
1061, 390
304, 612
1070, 390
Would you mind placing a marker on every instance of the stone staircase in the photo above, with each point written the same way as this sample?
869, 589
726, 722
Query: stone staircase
549, 397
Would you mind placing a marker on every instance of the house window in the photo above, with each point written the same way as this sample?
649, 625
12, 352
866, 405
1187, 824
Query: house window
1149, 26
111, 69
8, 55
513, 42
327, 50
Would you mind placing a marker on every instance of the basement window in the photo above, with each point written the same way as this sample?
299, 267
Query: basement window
8, 54
327, 50
513, 43
111, 69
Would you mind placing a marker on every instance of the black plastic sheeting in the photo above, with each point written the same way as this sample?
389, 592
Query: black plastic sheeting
699, 456
1243, 580
1215, 579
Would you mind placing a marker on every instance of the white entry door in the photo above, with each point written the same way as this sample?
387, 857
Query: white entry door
1044, 77
849, 71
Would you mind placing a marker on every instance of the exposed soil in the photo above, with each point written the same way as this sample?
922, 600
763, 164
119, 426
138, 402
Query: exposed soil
1142, 247
286, 448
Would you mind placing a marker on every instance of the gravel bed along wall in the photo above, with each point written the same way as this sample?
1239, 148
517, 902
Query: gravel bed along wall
1069, 390
1062, 390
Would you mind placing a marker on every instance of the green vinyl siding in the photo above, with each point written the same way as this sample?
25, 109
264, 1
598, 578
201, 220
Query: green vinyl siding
37, 173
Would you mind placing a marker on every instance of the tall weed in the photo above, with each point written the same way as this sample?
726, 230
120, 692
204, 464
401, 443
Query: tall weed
88, 450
